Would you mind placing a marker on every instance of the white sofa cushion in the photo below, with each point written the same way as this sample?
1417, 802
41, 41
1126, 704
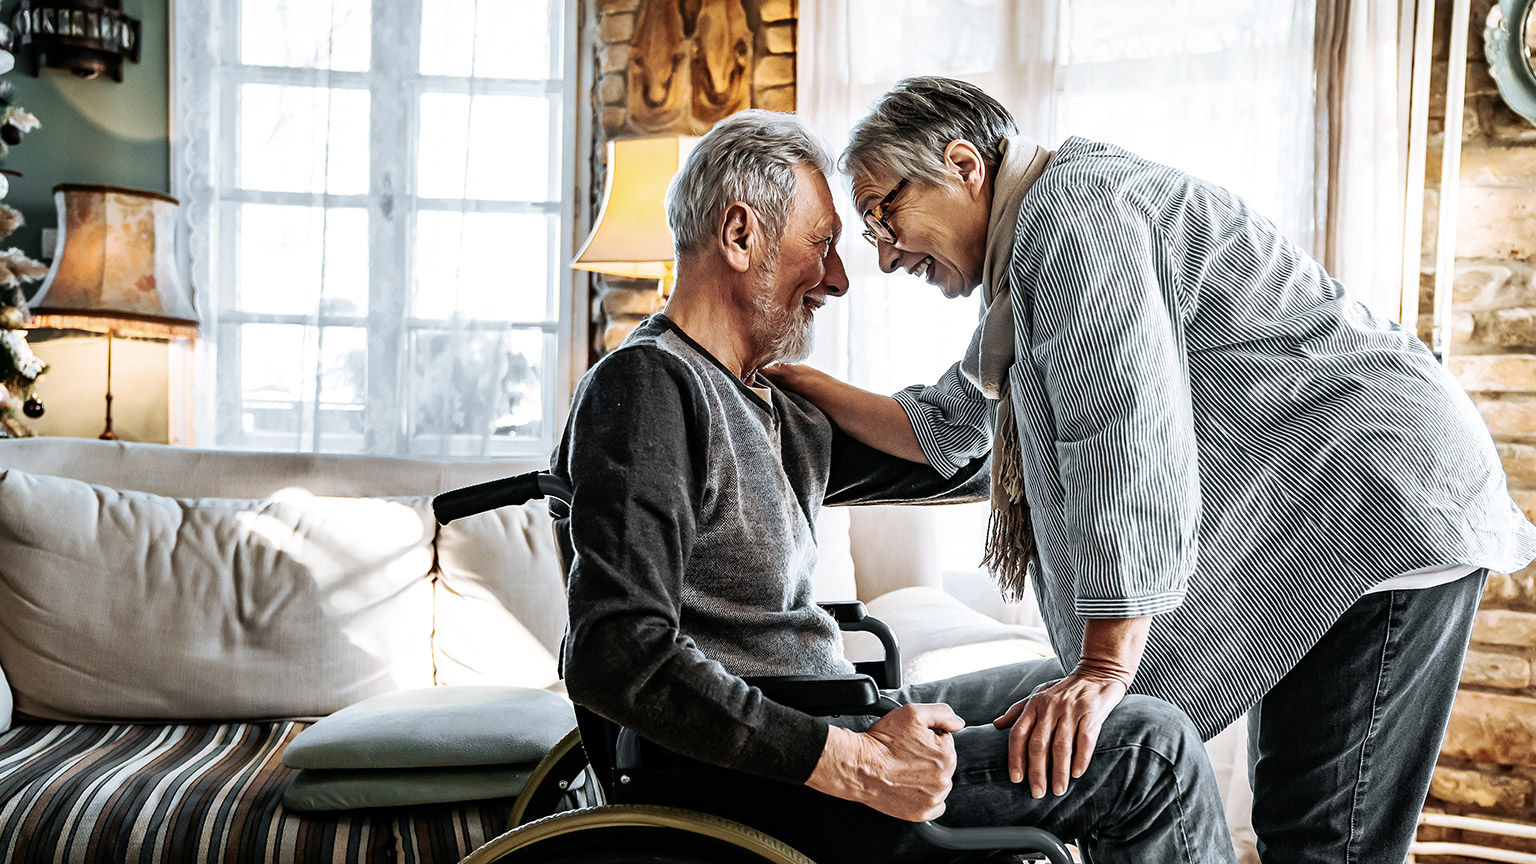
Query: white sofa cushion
498, 625
834, 560
500, 599
132, 606
942, 637
6, 703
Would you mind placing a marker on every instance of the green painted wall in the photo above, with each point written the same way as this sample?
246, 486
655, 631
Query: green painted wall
95, 131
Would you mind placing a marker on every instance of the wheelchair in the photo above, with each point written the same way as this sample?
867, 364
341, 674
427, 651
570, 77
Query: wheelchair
595, 798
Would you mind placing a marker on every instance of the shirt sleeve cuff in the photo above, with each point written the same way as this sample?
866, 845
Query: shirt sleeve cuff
917, 415
801, 764
1128, 607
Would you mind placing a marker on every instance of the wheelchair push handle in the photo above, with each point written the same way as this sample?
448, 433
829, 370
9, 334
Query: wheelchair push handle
506, 492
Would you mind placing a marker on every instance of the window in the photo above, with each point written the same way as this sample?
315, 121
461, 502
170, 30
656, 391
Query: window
377, 224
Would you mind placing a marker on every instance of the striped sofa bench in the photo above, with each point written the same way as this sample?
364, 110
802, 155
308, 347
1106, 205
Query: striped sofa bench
206, 793
170, 618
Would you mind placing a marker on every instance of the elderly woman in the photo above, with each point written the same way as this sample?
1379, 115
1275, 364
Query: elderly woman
1233, 486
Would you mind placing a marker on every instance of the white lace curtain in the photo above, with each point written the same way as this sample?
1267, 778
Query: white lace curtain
1293, 105
371, 194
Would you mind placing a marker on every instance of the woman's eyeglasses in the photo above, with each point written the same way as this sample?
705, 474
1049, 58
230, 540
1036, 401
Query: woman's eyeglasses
876, 229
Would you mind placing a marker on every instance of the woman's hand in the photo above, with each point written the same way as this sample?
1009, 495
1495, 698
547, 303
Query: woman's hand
808, 381
1056, 729
876, 420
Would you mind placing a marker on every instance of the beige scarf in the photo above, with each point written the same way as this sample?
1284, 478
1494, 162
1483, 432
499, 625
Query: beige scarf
1010, 535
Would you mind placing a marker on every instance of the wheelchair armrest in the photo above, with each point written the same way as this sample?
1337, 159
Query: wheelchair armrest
845, 611
821, 696
851, 616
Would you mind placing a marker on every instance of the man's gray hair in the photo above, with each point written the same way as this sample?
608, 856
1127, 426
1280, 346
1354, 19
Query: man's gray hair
907, 130
749, 157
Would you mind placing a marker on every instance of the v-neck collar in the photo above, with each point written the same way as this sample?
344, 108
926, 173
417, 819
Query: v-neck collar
759, 401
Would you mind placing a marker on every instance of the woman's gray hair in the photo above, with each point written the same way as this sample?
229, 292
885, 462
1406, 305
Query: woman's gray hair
907, 130
749, 157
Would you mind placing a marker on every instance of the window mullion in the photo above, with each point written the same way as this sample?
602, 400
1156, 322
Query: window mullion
229, 380
392, 120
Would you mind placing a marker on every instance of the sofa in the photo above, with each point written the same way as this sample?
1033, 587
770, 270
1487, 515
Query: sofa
172, 618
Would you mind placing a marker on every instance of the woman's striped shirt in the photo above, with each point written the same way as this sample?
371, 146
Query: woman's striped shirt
1214, 433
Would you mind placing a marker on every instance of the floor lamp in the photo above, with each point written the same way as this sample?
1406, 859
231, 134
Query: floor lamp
114, 270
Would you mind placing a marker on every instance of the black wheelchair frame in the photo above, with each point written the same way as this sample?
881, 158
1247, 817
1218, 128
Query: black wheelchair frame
609, 754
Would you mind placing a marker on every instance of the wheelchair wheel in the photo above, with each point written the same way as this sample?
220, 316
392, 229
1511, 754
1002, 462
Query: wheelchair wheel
558, 783
635, 834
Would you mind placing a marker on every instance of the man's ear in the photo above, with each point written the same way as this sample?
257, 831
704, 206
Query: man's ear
963, 161
738, 236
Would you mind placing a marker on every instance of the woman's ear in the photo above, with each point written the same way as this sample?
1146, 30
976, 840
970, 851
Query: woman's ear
738, 236
963, 161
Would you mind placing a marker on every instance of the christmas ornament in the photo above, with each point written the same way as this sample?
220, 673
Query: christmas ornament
33, 408
12, 317
10, 135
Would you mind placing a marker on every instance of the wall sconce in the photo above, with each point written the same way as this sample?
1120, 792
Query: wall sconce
87, 37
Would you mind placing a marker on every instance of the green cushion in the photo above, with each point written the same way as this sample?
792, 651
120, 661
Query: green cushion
436, 727
401, 787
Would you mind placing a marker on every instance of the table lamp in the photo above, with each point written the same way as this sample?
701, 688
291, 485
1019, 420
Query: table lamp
631, 237
114, 270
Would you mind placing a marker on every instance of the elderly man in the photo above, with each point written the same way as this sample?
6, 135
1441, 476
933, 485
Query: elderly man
696, 487
1232, 485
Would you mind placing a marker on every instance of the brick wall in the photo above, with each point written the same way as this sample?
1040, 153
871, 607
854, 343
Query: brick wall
1488, 761
611, 41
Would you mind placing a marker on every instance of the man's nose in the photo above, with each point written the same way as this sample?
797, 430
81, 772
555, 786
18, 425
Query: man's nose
890, 256
835, 277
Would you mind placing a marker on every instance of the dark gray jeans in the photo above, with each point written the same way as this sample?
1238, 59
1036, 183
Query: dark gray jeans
1340, 752
1148, 795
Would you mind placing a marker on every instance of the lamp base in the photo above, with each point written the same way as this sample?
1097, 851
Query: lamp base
107, 434
668, 279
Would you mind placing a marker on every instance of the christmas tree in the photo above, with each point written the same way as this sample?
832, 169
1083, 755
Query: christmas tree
19, 367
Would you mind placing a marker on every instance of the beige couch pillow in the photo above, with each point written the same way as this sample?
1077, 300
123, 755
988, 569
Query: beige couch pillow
131, 606
500, 599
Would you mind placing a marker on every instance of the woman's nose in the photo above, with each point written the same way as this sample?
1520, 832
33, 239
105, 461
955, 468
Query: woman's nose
890, 256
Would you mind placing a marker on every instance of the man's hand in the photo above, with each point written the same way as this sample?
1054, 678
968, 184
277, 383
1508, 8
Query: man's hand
902, 766
1056, 729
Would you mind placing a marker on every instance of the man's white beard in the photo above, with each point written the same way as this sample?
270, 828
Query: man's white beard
784, 336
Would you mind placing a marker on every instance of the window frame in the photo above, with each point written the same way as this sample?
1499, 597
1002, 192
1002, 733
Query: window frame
389, 323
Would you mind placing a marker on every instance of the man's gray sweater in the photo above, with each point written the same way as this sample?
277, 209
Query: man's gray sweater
693, 514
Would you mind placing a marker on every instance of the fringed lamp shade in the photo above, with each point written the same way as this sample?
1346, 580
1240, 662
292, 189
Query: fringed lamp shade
114, 268
631, 237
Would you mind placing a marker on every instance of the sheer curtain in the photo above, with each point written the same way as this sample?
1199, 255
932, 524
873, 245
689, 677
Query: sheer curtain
891, 331
372, 205
1289, 104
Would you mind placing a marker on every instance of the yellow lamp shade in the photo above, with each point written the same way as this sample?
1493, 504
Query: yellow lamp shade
631, 237
114, 266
